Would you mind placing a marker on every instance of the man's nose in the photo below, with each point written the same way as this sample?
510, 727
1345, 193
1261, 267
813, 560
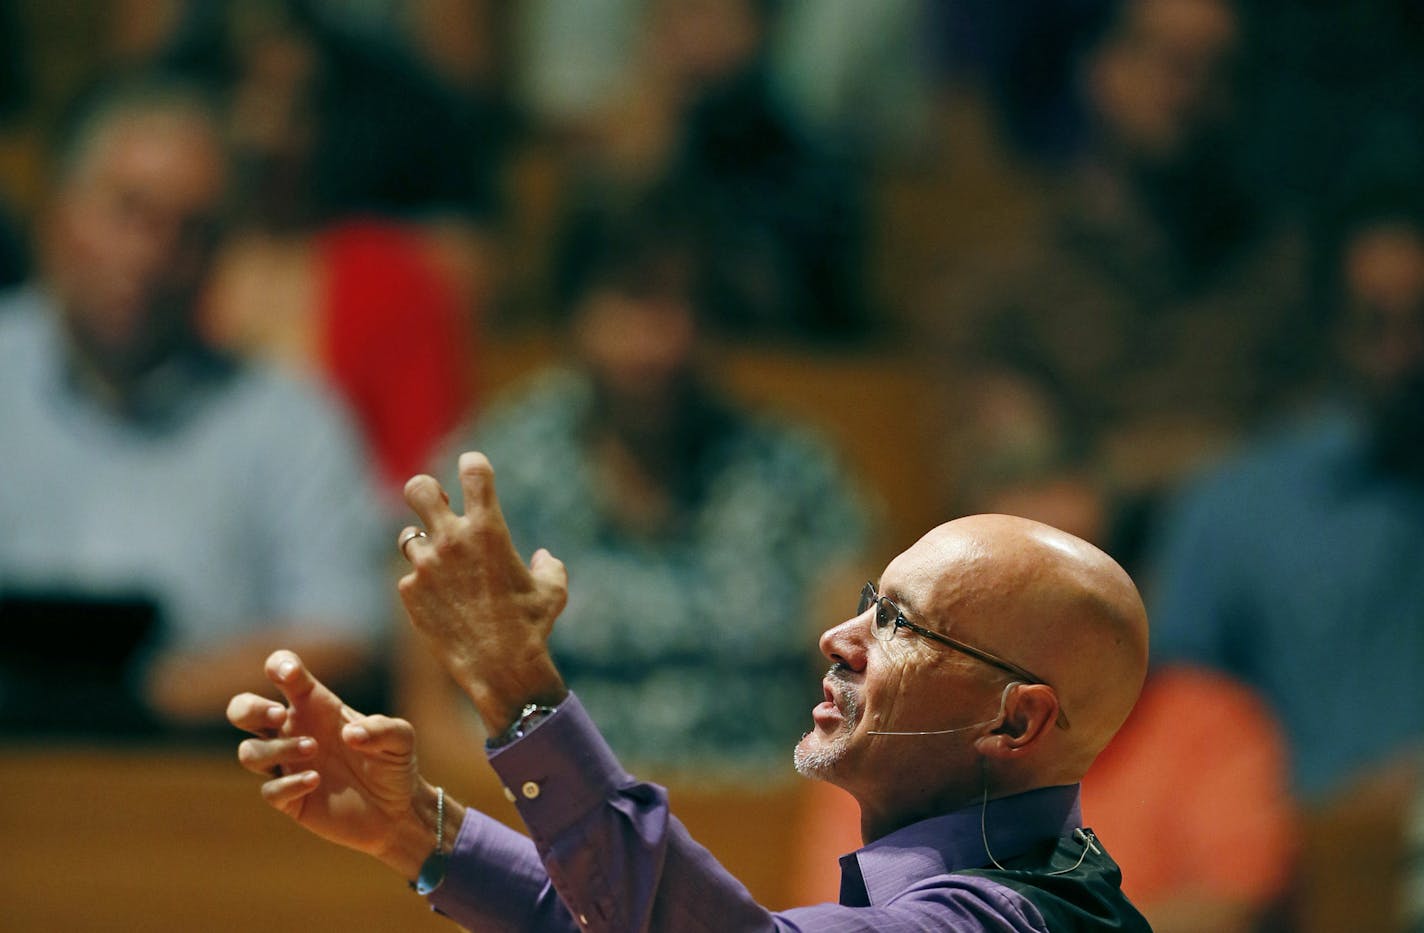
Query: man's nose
846, 643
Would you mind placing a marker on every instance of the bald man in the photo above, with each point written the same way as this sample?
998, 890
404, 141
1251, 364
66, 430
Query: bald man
966, 697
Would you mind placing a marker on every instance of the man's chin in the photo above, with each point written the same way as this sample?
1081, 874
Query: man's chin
817, 756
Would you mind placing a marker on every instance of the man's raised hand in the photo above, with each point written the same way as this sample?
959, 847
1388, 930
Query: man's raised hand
484, 614
348, 778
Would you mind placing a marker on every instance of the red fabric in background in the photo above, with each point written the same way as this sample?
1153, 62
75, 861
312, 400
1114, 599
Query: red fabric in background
395, 342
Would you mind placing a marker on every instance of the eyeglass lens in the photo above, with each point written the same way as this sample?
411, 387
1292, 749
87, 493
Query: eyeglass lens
883, 625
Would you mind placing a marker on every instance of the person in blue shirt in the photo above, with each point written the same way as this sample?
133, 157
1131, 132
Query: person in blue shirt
142, 467
1297, 565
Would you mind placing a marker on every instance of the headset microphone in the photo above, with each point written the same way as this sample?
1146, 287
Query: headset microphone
1003, 704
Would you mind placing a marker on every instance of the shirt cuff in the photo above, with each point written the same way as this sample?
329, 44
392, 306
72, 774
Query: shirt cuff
559, 771
493, 873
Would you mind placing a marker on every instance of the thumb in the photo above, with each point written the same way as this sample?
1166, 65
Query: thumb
551, 575
291, 676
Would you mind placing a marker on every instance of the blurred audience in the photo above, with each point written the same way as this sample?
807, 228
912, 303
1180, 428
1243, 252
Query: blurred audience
700, 115
1321, 79
14, 94
1296, 565
701, 532
357, 251
854, 72
215, 510
1153, 315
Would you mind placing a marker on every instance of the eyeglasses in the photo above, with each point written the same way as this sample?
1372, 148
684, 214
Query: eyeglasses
890, 617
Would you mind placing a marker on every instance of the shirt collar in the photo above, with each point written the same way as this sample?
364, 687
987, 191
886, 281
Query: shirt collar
163, 398
955, 841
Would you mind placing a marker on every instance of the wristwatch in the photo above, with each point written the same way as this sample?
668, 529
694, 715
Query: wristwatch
529, 717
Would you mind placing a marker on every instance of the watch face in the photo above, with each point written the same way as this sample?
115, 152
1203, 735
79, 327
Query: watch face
432, 872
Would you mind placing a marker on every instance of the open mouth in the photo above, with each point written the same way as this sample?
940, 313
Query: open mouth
833, 709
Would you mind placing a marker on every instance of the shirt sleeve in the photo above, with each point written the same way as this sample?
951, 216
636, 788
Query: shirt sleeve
495, 882
608, 848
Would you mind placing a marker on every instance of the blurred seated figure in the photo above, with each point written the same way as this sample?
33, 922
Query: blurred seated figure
1296, 566
357, 250
14, 98
855, 71
168, 509
700, 114
361, 303
14, 261
692, 519
1194, 793
1191, 795
1148, 320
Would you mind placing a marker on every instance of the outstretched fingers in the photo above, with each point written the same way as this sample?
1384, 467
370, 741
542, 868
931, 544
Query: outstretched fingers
286, 792
291, 676
477, 482
265, 756
552, 577
384, 736
481, 503
428, 500
256, 714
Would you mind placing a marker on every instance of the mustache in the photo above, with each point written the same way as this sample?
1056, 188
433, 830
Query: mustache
844, 693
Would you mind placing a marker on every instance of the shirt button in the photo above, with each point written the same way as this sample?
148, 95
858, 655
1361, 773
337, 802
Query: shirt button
509, 795
530, 790
583, 919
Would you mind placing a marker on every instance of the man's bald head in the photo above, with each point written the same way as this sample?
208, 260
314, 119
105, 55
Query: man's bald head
914, 725
1052, 604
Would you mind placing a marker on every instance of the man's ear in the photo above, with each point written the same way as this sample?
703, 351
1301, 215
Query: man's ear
1029, 711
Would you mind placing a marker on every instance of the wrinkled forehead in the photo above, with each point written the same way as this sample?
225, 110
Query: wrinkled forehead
929, 579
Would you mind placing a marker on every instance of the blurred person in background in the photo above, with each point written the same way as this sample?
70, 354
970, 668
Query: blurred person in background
358, 250
855, 72
1148, 319
14, 97
1195, 793
1296, 565
699, 113
205, 506
692, 519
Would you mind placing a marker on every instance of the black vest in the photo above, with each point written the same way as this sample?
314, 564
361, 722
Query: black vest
1074, 890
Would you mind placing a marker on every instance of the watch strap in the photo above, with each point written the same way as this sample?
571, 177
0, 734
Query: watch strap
530, 716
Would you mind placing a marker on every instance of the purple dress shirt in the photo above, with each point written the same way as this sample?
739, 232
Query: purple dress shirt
607, 855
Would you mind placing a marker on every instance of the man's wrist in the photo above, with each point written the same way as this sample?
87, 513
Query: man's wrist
501, 705
530, 716
414, 838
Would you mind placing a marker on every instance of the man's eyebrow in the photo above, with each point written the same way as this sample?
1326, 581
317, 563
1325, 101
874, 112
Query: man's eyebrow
912, 612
